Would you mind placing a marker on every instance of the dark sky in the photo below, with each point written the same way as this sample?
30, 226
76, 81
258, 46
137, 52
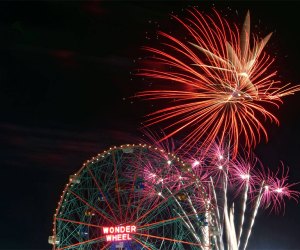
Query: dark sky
65, 83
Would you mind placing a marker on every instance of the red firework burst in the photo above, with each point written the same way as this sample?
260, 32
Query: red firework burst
218, 85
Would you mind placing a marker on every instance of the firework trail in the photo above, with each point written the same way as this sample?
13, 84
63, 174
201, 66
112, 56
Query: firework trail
246, 177
217, 85
255, 210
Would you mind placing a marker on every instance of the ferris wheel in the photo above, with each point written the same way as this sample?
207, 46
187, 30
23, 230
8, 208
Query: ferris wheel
132, 197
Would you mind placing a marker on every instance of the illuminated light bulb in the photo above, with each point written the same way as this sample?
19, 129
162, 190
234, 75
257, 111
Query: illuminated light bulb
220, 167
180, 177
221, 157
159, 193
267, 188
169, 162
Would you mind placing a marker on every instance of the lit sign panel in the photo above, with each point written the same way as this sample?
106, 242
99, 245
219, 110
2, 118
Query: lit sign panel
118, 233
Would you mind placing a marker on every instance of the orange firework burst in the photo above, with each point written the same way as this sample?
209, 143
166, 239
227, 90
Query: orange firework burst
219, 83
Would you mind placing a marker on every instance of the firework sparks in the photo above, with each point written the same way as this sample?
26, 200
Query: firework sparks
276, 188
241, 172
249, 182
242, 179
220, 84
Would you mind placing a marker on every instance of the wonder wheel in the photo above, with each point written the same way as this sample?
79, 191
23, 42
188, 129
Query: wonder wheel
133, 197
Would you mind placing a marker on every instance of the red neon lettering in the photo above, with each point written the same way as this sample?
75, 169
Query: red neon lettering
133, 229
105, 230
118, 233
118, 237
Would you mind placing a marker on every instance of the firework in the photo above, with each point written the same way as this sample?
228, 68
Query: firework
243, 184
217, 84
275, 187
251, 186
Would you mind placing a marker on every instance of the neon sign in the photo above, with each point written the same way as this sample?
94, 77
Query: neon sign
118, 233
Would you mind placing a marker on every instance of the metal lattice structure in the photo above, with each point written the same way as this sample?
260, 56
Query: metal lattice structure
139, 186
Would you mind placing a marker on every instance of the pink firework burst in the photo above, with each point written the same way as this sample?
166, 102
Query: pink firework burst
218, 161
153, 138
241, 173
275, 188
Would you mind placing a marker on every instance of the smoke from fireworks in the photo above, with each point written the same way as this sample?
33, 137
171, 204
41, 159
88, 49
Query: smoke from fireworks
220, 83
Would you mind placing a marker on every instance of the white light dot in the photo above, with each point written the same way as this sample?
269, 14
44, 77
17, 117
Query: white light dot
245, 176
196, 163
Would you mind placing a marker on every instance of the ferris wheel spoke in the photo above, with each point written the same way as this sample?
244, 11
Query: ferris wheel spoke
164, 200
130, 197
79, 222
157, 214
146, 226
90, 206
117, 185
170, 240
69, 233
106, 245
95, 240
142, 243
152, 209
100, 190
142, 203
184, 216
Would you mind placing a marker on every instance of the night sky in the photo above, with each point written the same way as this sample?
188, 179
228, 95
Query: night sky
66, 82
